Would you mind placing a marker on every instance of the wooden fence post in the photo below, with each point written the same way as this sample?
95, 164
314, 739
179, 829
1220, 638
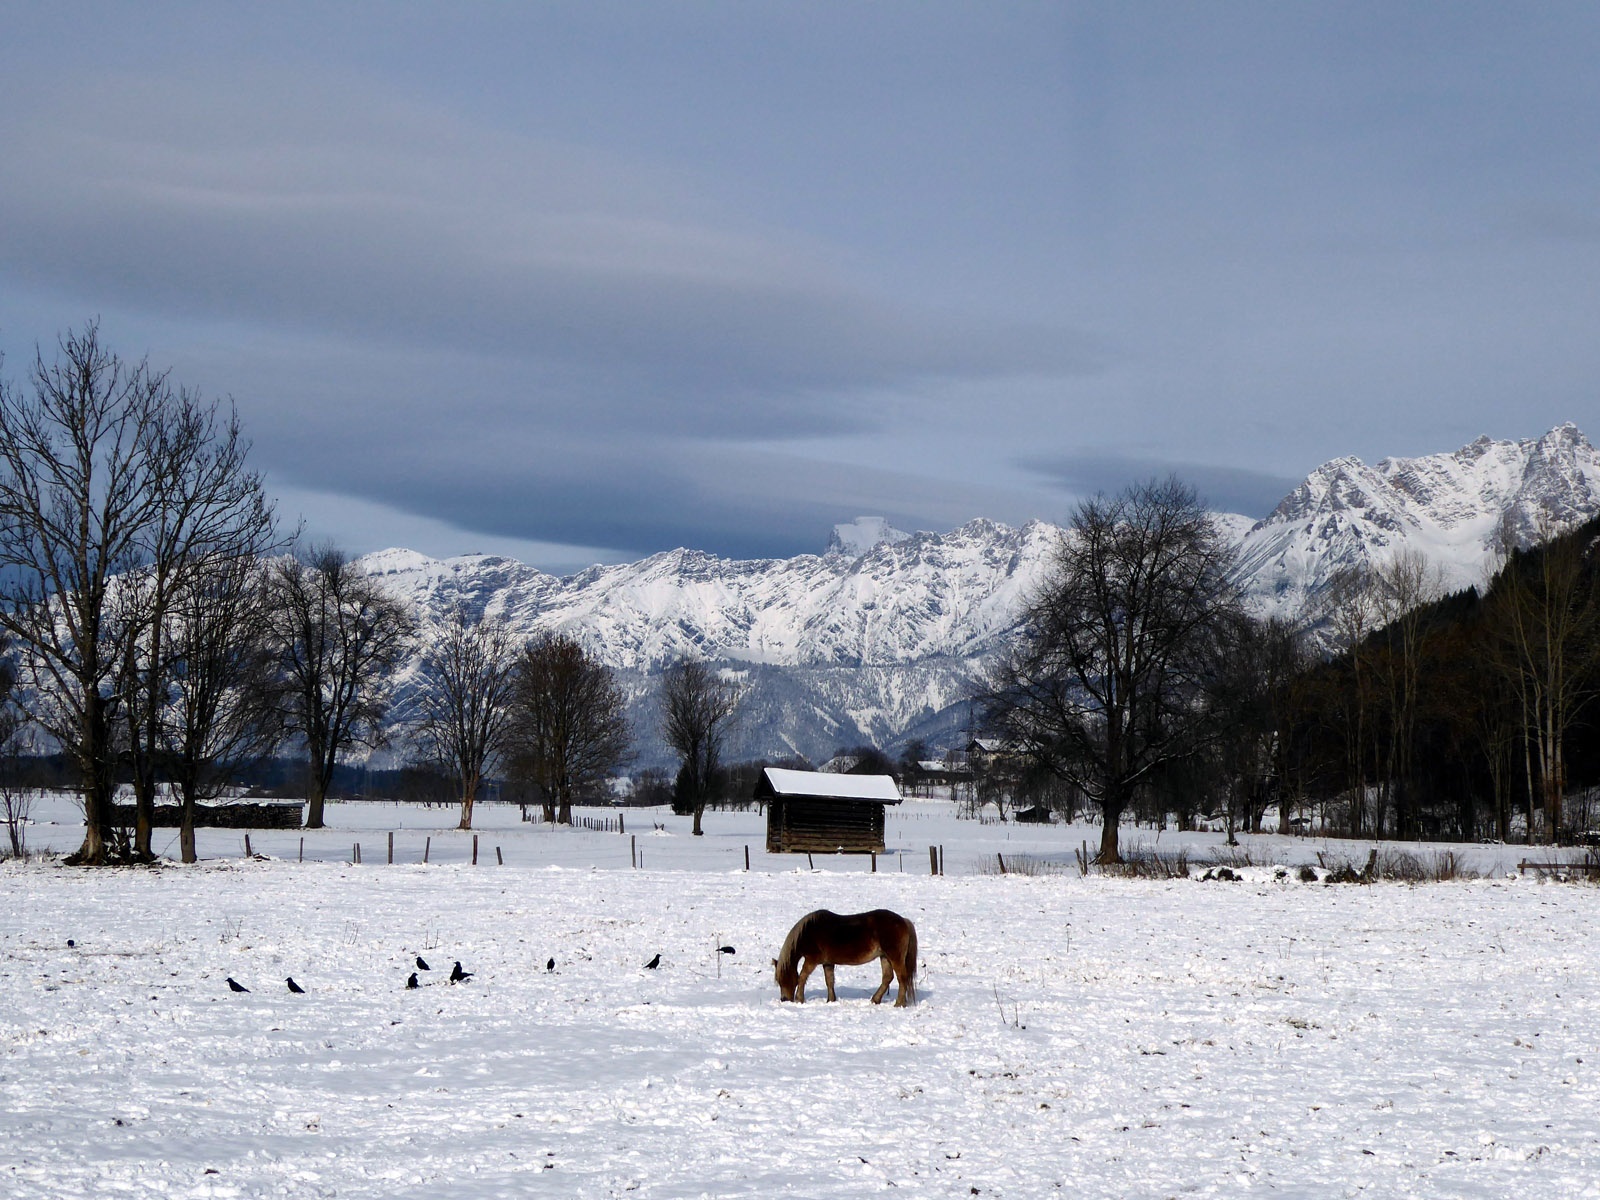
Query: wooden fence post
809, 863
497, 857
302, 849
747, 856
474, 849
391, 847
622, 824
247, 845
1002, 859
933, 860
874, 855
633, 851
426, 846
355, 855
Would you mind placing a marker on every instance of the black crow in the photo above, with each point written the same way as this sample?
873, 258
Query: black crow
457, 975
550, 965
422, 966
653, 963
295, 987
726, 950
235, 986
412, 982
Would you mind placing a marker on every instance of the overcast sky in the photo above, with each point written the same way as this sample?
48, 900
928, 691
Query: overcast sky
579, 282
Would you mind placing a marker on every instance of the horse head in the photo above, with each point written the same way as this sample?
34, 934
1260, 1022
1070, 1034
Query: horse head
787, 978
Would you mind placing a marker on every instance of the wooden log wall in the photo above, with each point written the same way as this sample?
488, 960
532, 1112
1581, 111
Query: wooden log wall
825, 826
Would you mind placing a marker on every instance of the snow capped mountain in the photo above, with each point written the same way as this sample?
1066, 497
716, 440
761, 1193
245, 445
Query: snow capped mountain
1452, 509
874, 640
879, 638
905, 599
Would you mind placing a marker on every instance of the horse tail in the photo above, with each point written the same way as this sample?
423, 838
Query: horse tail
911, 963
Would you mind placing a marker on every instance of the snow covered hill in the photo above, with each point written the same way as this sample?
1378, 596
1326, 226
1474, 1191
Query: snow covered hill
879, 638
875, 640
1449, 508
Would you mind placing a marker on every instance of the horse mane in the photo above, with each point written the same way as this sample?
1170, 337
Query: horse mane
789, 954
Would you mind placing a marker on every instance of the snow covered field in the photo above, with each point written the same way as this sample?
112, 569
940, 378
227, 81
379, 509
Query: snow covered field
1088, 1036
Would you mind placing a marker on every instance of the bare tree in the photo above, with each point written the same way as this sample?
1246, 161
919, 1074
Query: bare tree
698, 707
1405, 585
569, 724
223, 696
1106, 683
1350, 611
463, 699
338, 637
16, 800
79, 487
212, 516
1546, 606
1255, 697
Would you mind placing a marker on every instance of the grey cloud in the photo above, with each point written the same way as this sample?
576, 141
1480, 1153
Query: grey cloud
517, 337
472, 442
639, 495
273, 203
1224, 489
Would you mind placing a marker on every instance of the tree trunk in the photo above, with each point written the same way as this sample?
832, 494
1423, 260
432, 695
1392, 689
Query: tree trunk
144, 810
1527, 756
1554, 786
98, 785
314, 800
186, 827
144, 750
469, 796
1111, 815
97, 817
698, 809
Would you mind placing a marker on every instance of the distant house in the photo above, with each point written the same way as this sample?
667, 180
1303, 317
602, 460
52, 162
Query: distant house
982, 750
817, 812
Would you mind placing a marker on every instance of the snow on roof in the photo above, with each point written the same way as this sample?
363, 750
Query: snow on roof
833, 787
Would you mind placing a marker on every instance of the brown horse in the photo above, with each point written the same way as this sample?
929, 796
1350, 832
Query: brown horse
823, 938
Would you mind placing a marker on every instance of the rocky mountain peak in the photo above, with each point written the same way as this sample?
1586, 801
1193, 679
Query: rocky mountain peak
1452, 508
863, 535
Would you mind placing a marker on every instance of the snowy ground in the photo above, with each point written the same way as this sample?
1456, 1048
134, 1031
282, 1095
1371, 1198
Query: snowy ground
1093, 1036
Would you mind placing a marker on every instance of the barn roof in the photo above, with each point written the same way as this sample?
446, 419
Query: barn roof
817, 785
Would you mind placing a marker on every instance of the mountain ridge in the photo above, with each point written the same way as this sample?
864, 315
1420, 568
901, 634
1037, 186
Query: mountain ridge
881, 636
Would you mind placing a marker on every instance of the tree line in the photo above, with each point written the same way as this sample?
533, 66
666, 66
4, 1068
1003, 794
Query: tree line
1137, 683
161, 628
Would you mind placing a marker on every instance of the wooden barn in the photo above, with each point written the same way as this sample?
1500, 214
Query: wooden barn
824, 813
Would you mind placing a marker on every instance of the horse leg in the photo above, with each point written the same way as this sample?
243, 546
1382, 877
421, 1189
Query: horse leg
827, 974
800, 988
900, 972
883, 988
